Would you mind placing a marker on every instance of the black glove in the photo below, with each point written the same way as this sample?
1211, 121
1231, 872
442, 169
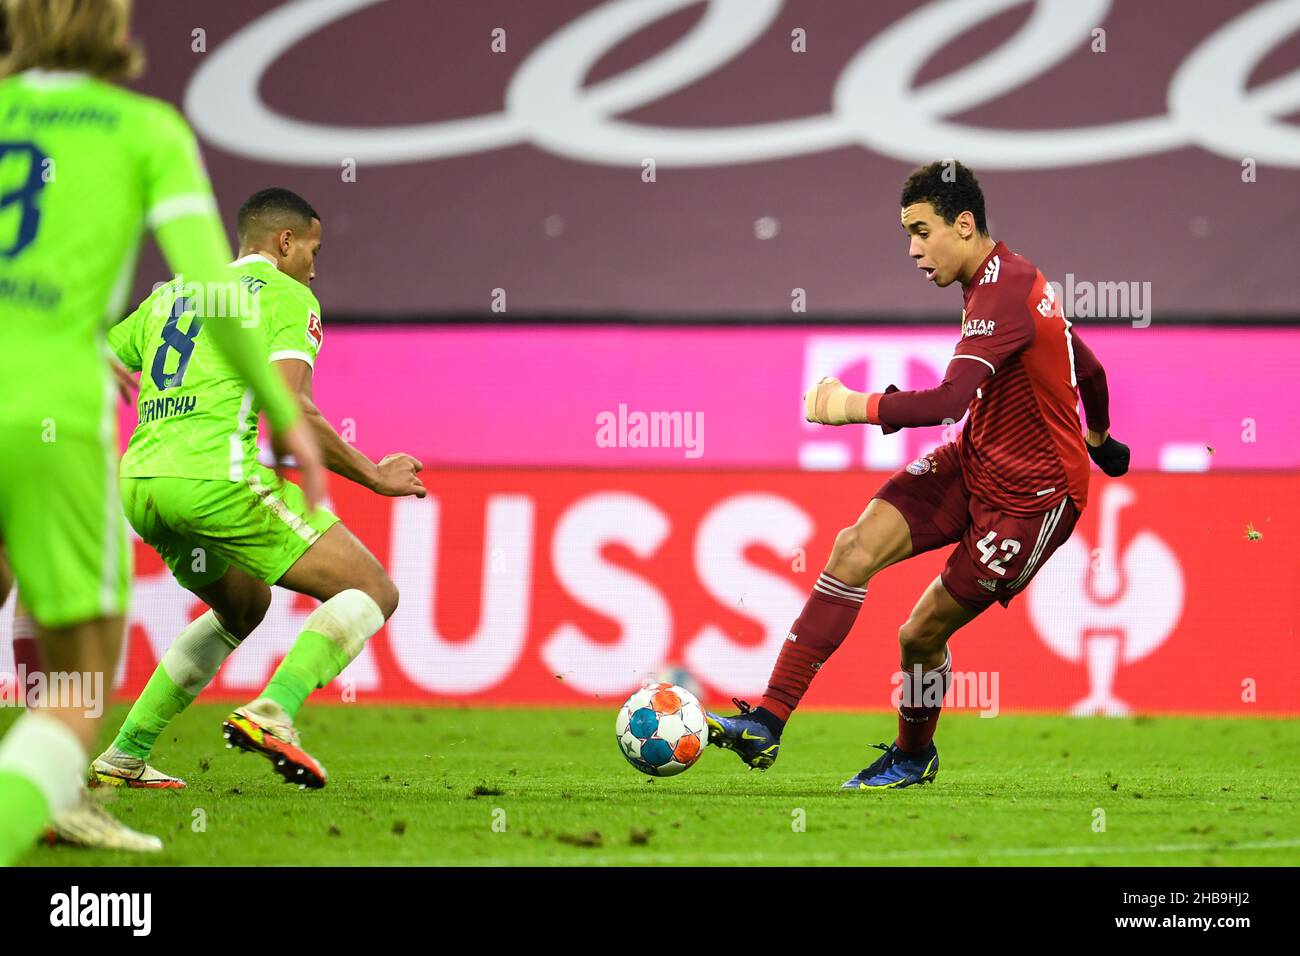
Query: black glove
890, 429
1111, 456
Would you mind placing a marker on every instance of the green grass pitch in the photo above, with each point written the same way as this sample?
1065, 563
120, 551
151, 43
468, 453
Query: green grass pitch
446, 787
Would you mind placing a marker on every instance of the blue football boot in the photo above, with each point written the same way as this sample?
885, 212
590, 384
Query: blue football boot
896, 769
753, 740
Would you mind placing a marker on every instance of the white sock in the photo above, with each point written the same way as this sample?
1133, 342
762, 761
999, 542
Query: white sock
348, 619
198, 652
46, 752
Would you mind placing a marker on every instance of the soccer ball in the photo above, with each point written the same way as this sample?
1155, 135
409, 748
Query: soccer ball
661, 729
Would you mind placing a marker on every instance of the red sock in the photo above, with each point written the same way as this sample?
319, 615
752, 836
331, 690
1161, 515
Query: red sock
916, 721
825, 622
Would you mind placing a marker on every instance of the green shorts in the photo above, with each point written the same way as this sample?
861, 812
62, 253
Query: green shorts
61, 523
201, 527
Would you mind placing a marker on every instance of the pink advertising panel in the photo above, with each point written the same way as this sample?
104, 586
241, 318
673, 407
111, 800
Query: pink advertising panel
714, 397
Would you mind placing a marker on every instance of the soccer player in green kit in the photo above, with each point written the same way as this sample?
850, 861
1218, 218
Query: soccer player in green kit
228, 527
84, 167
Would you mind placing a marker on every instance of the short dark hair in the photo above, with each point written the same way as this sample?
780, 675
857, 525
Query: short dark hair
274, 208
950, 188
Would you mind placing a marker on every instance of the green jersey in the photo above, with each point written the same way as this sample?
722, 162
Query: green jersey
85, 166
197, 419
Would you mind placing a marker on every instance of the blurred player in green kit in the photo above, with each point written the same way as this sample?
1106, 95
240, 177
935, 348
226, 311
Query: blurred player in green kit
85, 167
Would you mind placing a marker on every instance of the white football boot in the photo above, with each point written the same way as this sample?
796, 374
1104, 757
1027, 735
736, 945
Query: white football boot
114, 768
87, 824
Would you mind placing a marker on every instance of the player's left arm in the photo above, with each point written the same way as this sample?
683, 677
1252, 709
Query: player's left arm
1091, 379
1111, 456
394, 476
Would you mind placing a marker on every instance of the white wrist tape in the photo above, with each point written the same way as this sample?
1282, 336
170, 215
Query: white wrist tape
837, 398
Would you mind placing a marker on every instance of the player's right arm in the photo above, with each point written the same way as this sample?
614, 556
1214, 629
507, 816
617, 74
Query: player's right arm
126, 357
295, 336
830, 402
998, 326
124, 338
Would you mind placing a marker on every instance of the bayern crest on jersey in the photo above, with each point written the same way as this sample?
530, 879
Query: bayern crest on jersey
920, 466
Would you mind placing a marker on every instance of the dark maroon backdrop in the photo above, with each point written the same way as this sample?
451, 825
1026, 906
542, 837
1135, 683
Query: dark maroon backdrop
435, 237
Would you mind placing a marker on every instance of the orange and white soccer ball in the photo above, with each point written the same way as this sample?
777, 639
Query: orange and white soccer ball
661, 729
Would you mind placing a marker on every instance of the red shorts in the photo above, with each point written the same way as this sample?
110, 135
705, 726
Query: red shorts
997, 554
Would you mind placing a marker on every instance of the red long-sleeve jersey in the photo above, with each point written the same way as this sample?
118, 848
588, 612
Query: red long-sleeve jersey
1020, 370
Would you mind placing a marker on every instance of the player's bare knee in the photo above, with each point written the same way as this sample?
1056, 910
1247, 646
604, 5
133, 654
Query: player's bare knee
257, 608
851, 561
243, 619
235, 625
241, 623
384, 592
920, 638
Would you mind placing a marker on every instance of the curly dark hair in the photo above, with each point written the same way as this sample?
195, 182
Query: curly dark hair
950, 188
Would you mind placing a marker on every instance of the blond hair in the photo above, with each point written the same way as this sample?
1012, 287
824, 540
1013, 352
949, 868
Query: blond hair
88, 35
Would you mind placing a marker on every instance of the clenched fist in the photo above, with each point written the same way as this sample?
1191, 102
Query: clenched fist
830, 402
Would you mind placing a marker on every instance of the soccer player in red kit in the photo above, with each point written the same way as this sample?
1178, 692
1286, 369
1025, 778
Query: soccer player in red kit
1007, 493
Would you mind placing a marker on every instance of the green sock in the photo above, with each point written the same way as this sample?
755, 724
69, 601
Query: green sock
25, 814
312, 662
156, 707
